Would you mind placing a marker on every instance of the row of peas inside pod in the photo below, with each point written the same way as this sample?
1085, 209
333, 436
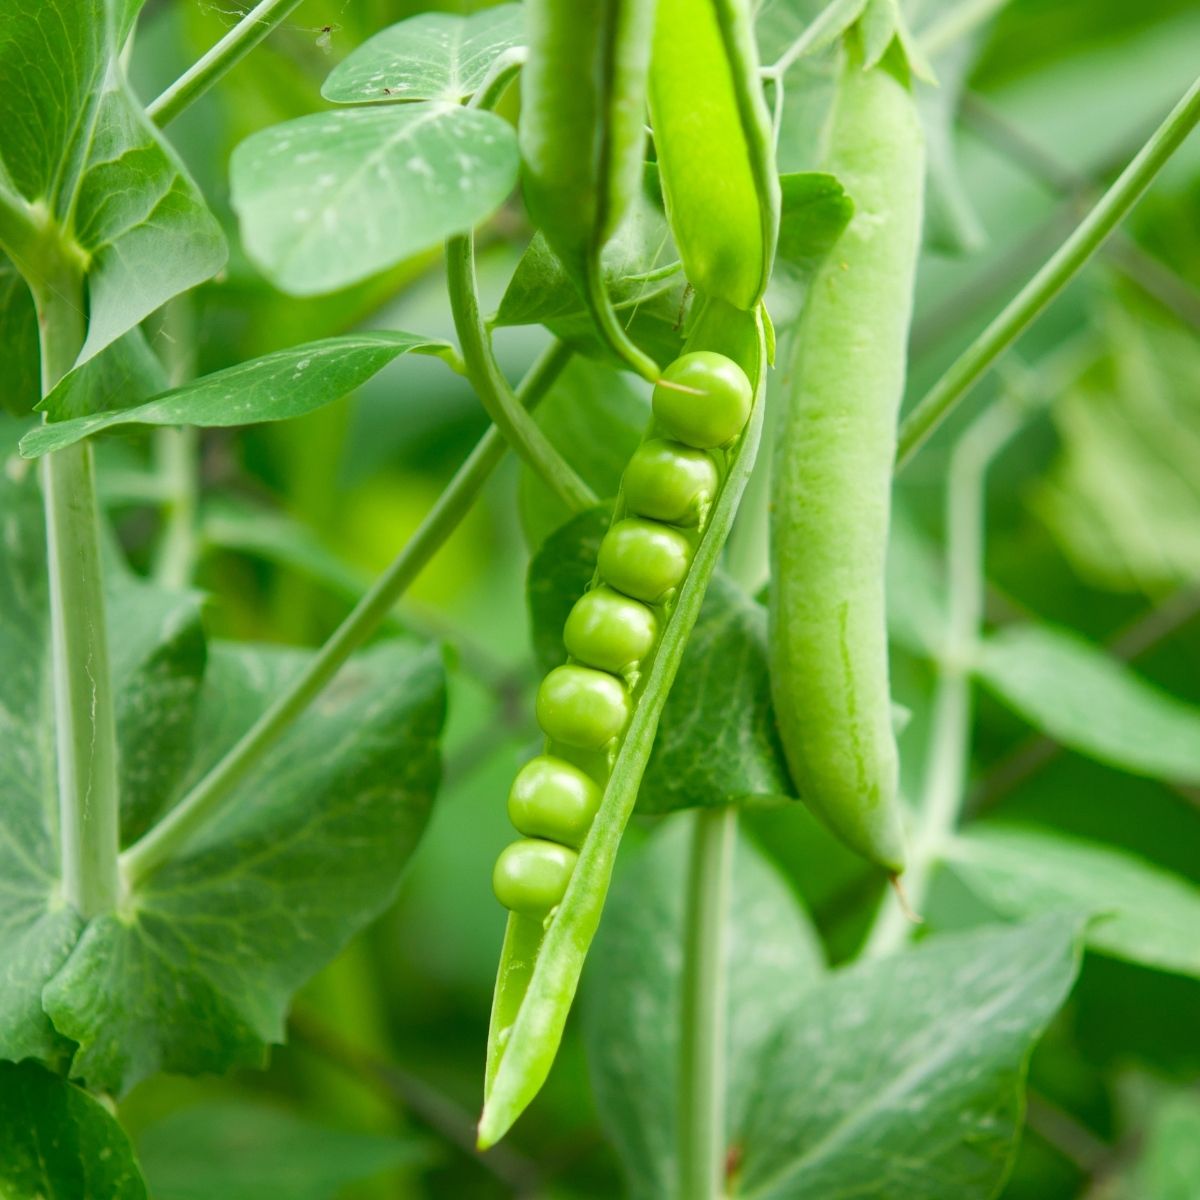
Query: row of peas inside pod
701, 405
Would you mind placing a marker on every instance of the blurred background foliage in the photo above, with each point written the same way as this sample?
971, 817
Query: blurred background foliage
1094, 523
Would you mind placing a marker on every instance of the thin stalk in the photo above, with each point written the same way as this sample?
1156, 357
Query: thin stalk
704, 1008
950, 735
960, 21
158, 845
1062, 267
85, 728
221, 59
519, 429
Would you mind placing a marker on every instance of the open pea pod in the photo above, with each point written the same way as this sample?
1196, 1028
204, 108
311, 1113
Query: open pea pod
544, 951
712, 135
583, 135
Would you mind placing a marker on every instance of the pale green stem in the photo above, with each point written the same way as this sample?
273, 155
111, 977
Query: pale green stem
1062, 267
84, 723
519, 429
221, 59
950, 734
206, 798
703, 1019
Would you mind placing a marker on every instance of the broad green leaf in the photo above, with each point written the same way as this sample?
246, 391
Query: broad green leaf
903, 1076
123, 375
815, 209
57, 1141
157, 661
20, 356
432, 56
1149, 915
1169, 1164
595, 417
275, 387
246, 1151
1082, 697
631, 996
332, 198
718, 740
197, 975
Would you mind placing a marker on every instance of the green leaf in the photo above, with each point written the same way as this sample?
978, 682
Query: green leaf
245, 1151
815, 210
332, 198
198, 973
902, 1076
1088, 701
287, 383
594, 416
432, 56
123, 375
20, 356
1150, 916
1170, 1160
631, 996
718, 740
57, 1141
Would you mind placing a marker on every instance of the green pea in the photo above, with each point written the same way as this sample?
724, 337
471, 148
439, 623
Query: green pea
643, 559
609, 631
669, 482
531, 875
581, 707
711, 404
553, 799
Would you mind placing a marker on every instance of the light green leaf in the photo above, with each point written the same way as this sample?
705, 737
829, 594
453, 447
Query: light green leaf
1170, 1160
197, 975
1149, 915
245, 1151
20, 356
332, 198
1091, 703
903, 1076
57, 1141
432, 56
631, 996
594, 416
287, 383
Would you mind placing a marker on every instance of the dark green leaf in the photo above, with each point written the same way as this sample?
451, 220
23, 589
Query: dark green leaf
1082, 697
432, 56
632, 996
19, 352
275, 387
1149, 915
815, 210
902, 1077
332, 198
123, 375
56, 1141
197, 976
243, 1151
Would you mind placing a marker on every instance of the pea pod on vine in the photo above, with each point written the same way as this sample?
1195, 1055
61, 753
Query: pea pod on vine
582, 135
833, 470
600, 710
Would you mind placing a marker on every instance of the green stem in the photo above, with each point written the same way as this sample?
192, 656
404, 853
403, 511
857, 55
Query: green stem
85, 727
1062, 267
519, 429
206, 798
704, 1008
221, 59
950, 735
956, 23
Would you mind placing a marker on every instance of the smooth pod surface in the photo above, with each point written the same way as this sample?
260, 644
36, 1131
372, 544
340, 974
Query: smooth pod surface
643, 559
581, 707
609, 631
531, 875
703, 399
833, 475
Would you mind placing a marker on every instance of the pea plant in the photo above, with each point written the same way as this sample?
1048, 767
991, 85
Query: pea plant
817, 567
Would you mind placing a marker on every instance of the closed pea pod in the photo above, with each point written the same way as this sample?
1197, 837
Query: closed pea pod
832, 482
582, 134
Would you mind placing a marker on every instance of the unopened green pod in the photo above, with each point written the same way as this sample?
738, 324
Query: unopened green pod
833, 471
583, 136
713, 139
